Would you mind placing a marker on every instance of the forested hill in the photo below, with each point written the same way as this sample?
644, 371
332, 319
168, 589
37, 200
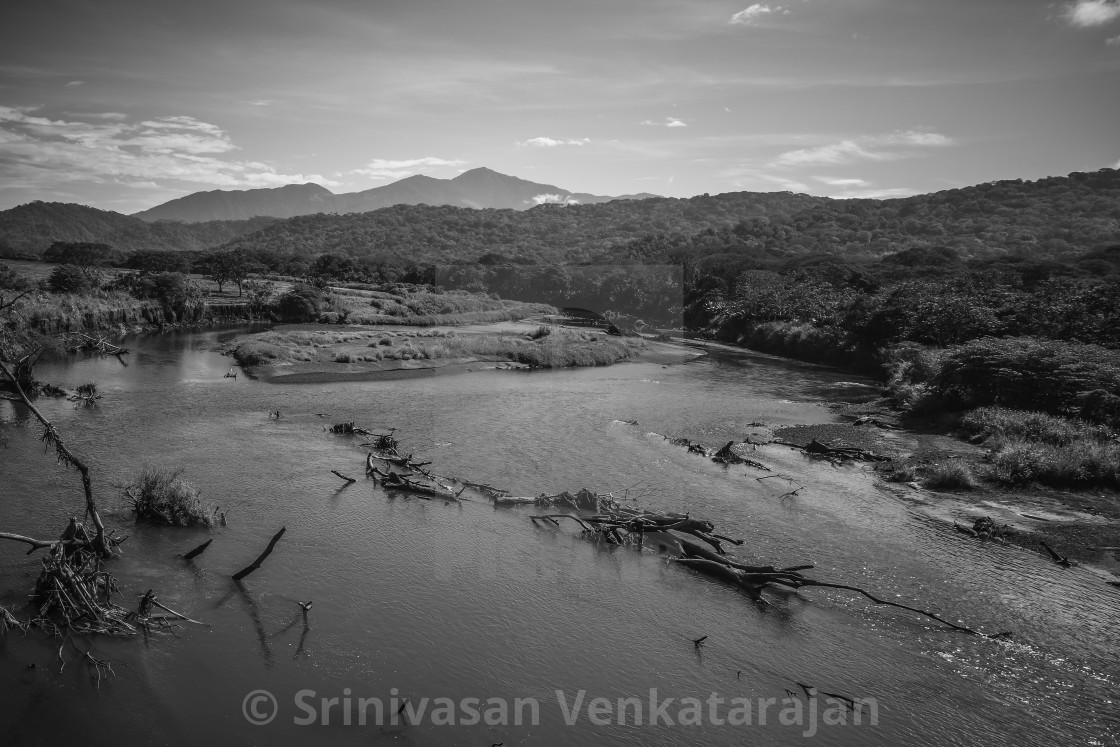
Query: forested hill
1058, 218
27, 230
1052, 217
1055, 217
546, 233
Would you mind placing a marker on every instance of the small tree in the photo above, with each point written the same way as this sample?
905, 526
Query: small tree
226, 267
70, 279
259, 292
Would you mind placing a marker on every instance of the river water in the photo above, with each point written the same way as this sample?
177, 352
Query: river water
424, 599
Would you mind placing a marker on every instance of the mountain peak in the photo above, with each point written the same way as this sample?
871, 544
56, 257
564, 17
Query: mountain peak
479, 187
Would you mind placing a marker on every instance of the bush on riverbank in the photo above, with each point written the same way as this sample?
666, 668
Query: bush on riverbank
1026, 373
1021, 373
161, 497
258, 353
807, 342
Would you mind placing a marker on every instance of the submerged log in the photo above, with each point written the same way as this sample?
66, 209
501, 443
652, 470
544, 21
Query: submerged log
198, 550
260, 559
837, 453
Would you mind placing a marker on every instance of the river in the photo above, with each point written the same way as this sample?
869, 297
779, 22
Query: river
427, 599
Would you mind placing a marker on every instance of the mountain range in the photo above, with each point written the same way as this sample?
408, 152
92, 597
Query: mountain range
477, 188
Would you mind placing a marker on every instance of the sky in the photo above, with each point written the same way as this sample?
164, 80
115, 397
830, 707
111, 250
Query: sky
125, 104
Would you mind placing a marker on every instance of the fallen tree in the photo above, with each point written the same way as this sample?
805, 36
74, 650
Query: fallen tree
626, 526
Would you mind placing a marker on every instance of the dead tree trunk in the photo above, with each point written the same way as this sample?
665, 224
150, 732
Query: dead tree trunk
66, 457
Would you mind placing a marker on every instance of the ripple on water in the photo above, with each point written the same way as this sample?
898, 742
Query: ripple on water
447, 599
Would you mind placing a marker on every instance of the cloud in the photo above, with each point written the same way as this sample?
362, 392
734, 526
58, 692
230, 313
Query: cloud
673, 122
873, 193
554, 199
1113, 42
380, 168
75, 83
846, 151
1086, 13
866, 148
262, 102
669, 122
548, 142
841, 182
750, 15
41, 153
118, 116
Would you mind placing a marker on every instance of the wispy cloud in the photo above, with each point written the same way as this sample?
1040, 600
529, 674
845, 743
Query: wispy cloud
548, 142
115, 116
75, 83
866, 148
669, 122
873, 193
40, 152
1086, 13
1113, 42
263, 102
750, 15
842, 182
381, 168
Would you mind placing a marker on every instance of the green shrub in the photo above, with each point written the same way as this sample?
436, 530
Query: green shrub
1027, 373
300, 304
10, 280
160, 497
71, 279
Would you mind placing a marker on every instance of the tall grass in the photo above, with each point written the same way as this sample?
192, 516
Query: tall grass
1003, 424
1029, 446
1080, 464
950, 474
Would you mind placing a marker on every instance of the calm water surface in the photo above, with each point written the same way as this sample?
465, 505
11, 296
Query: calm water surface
422, 599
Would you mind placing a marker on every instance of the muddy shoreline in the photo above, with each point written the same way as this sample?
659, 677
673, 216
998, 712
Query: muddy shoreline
1076, 523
